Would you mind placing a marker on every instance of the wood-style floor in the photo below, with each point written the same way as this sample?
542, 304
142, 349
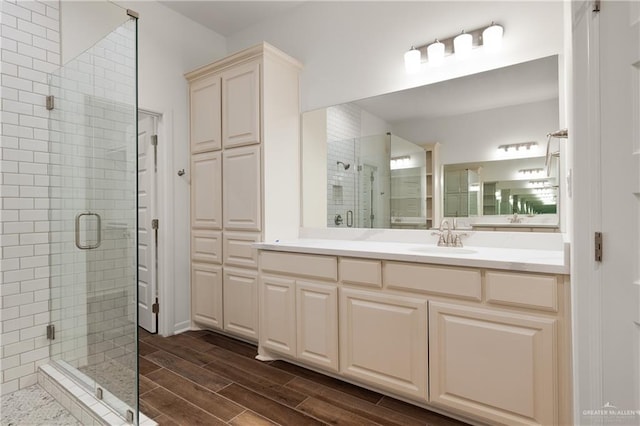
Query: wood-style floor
204, 378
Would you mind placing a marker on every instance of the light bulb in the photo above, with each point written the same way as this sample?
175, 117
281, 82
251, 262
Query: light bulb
435, 52
412, 60
462, 45
492, 37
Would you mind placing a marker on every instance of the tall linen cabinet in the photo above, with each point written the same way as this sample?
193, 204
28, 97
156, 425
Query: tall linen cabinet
245, 179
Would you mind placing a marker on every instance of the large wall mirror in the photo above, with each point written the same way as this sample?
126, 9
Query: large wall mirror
472, 148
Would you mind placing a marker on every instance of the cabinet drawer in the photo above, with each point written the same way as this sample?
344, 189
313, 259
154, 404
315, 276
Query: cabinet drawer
238, 251
206, 246
527, 290
302, 265
360, 271
458, 282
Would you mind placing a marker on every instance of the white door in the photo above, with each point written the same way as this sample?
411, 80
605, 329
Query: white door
620, 161
147, 279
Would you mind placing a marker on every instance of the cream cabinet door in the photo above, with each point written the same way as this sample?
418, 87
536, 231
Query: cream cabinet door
383, 341
242, 198
206, 191
278, 314
240, 291
205, 105
241, 105
206, 295
317, 324
500, 366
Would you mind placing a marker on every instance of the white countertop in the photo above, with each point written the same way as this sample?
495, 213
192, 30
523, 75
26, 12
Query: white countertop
542, 258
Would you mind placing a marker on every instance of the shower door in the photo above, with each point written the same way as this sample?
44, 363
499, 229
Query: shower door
93, 219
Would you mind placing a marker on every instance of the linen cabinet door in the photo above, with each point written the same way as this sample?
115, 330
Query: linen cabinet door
383, 341
206, 191
240, 293
206, 295
278, 314
242, 198
499, 366
241, 105
317, 324
205, 106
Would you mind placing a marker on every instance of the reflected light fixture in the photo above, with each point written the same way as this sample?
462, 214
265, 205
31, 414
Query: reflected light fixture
435, 52
462, 45
489, 37
517, 146
531, 171
412, 60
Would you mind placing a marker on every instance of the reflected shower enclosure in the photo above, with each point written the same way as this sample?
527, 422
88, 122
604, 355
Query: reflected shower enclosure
375, 181
93, 220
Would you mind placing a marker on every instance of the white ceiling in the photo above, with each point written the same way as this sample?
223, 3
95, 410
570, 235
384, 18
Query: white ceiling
518, 84
229, 17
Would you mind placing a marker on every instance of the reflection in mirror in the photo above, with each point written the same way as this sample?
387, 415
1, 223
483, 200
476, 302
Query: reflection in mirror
507, 187
378, 181
354, 173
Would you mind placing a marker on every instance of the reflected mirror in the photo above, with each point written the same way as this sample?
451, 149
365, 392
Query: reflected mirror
471, 148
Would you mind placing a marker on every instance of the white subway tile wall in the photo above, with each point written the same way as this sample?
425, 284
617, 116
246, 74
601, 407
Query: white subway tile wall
83, 159
343, 132
29, 49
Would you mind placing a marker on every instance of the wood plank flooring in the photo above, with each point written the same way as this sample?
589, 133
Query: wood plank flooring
204, 378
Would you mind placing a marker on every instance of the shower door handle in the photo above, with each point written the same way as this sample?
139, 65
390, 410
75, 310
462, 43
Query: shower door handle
350, 218
98, 233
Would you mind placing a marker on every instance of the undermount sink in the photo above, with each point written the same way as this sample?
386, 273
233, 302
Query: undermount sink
443, 250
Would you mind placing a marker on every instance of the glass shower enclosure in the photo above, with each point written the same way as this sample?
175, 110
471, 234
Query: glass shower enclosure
93, 219
376, 181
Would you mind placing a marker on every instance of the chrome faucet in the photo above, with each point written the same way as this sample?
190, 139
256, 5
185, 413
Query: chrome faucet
515, 219
448, 239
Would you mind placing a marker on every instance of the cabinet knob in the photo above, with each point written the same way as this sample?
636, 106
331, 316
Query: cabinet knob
181, 172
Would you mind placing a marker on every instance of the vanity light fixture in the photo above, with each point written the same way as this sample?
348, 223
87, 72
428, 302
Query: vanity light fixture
517, 146
531, 171
489, 37
539, 183
399, 162
462, 45
492, 37
435, 52
412, 60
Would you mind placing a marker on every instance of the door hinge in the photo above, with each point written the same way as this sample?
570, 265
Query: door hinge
154, 140
155, 308
155, 224
598, 246
50, 102
51, 332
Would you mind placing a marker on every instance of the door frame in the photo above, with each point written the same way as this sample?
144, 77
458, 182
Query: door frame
164, 214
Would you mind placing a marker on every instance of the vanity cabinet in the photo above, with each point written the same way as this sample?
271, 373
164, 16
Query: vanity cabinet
491, 345
383, 341
500, 366
299, 308
244, 132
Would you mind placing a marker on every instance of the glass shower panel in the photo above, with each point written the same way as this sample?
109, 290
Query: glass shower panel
374, 187
93, 196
